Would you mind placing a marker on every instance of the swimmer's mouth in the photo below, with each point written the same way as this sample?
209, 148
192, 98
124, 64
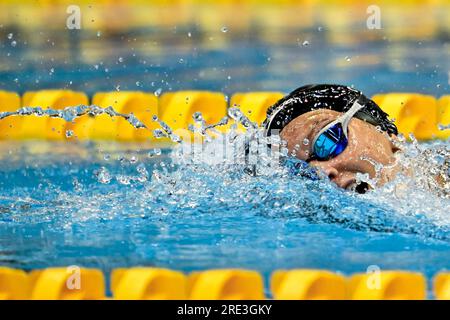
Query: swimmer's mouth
360, 188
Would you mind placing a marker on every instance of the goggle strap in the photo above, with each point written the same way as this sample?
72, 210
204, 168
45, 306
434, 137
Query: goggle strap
344, 120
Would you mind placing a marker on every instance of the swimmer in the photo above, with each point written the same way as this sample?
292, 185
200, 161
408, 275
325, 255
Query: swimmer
337, 130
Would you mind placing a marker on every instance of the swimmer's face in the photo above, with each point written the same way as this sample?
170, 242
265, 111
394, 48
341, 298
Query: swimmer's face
366, 147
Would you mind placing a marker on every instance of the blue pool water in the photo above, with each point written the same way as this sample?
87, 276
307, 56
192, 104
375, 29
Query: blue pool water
115, 206
168, 59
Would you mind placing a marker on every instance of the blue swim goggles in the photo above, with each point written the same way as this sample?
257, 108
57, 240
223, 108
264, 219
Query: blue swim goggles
333, 138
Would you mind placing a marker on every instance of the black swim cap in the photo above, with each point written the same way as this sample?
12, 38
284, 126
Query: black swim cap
325, 96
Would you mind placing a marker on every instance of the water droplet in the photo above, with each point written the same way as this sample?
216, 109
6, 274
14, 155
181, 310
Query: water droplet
133, 159
158, 133
138, 84
181, 60
305, 43
305, 142
123, 179
189, 34
320, 29
120, 59
103, 175
197, 116
99, 33
141, 169
157, 92
154, 153
13, 43
224, 29
348, 59
10, 36
235, 113
69, 133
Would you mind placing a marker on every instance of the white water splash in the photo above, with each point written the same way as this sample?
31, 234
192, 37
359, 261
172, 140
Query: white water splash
235, 171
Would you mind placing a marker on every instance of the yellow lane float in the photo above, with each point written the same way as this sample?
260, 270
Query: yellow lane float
71, 283
142, 105
43, 127
443, 116
254, 105
177, 108
442, 286
413, 113
388, 285
144, 283
14, 284
9, 101
307, 285
148, 284
226, 284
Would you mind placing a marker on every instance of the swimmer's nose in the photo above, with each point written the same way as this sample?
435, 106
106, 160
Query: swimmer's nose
331, 172
341, 179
